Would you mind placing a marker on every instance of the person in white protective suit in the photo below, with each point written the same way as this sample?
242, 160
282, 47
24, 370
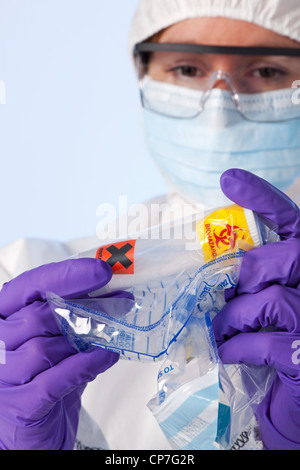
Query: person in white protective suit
218, 81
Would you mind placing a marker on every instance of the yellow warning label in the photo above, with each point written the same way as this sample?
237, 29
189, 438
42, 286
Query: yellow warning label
223, 231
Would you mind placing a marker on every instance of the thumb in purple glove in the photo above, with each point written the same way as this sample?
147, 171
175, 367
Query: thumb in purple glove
252, 192
43, 377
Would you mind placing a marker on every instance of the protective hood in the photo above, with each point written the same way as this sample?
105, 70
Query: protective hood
280, 16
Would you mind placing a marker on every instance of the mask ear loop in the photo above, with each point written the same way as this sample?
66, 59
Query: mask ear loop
221, 75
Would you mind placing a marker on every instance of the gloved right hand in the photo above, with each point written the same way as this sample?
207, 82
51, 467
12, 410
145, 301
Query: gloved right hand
268, 295
43, 376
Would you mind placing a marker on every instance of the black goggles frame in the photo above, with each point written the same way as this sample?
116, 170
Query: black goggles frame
148, 47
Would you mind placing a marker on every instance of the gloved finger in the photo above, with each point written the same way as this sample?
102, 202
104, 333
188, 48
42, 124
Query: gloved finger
66, 278
274, 263
32, 358
276, 306
38, 320
276, 349
250, 191
35, 320
72, 373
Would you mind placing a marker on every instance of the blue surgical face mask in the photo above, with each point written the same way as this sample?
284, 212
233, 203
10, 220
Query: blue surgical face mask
193, 153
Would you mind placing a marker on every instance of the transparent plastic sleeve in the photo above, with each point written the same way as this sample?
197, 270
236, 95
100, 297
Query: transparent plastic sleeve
158, 307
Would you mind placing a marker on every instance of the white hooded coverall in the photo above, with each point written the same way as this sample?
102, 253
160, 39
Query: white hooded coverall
117, 400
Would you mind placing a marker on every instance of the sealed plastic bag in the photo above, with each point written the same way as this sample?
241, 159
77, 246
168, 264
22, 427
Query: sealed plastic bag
175, 285
202, 404
187, 399
166, 278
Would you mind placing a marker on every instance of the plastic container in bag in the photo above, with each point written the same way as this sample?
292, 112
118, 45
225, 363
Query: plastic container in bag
166, 278
172, 287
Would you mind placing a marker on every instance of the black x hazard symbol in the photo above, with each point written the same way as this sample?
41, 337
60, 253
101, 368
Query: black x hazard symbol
119, 255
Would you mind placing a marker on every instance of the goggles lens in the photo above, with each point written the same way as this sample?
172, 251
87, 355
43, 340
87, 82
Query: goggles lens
179, 82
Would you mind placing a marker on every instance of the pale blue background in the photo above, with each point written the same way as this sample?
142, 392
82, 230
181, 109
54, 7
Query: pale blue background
70, 132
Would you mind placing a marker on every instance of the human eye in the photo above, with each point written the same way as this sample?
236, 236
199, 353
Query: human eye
268, 73
268, 69
186, 71
179, 69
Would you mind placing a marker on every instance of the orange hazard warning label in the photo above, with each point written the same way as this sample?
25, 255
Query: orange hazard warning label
119, 255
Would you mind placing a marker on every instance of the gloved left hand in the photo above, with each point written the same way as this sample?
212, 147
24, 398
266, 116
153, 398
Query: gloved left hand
268, 293
42, 376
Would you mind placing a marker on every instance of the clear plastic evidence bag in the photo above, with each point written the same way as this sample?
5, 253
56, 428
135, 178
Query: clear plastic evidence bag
172, 286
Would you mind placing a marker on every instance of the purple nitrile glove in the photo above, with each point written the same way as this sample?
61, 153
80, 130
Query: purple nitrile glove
268, 293
41, 376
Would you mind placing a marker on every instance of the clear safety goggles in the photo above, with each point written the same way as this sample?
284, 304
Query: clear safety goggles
178, 79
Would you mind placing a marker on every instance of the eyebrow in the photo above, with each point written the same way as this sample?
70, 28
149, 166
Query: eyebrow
211, 49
